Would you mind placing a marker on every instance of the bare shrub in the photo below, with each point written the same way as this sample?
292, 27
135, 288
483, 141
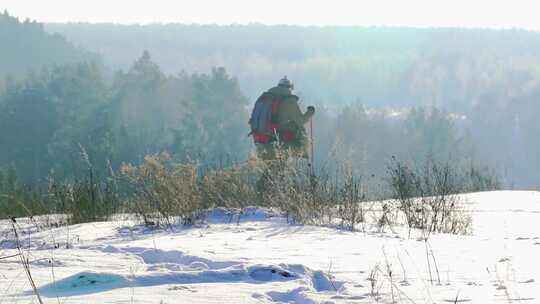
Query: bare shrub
310, 198
88, 199
428, 197
18, 199
290, 186
387, 216
232, 187
440, 188
161, 190
405, 185
481, 179
291, 190
350, 208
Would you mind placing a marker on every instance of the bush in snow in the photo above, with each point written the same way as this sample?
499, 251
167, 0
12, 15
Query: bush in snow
18, 199
87, 199
352, 195
310, 198
290, 185
162, 191
427, 196
481, 179
232, 187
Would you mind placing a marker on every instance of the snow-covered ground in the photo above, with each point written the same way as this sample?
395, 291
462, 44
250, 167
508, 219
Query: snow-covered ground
263, 260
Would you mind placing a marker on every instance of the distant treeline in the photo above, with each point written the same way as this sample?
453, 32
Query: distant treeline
378, 66
66, 118
25, 46
61, 116
489, 78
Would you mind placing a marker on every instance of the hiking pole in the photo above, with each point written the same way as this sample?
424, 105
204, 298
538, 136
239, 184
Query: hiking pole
312, 150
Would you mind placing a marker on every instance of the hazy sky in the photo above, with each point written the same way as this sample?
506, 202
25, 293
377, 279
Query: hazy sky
467, 13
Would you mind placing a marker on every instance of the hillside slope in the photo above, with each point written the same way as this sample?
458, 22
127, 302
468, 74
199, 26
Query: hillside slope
378, 66
263, 260
26, 46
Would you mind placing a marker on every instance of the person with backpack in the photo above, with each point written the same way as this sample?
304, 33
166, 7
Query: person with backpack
278, 123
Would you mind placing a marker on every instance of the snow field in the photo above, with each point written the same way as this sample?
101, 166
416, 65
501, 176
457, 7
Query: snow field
263, 260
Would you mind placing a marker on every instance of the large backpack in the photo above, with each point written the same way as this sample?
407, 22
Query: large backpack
263, 121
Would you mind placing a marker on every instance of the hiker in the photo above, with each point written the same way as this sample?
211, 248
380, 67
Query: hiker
277, 127
277, 123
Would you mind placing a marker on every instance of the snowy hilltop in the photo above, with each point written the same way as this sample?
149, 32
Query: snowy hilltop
257, 257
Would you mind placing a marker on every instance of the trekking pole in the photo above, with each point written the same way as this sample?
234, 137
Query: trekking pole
312, 150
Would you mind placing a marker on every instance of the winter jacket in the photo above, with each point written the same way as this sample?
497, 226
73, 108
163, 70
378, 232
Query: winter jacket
290, 120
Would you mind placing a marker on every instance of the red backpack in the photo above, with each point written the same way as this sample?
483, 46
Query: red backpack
263, 121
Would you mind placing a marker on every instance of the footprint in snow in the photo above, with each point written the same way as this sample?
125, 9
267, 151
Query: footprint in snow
84, 283
350, 298
181, 288
268, 274
297, 295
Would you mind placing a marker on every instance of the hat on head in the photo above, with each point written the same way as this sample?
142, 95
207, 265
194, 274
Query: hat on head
284, 82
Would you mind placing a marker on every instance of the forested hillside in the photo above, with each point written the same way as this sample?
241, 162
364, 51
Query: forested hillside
26, 46
469, 96
68, 117
448, 68
488, 79
329, 65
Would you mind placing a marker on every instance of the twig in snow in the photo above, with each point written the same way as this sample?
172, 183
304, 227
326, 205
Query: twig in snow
402, 267
25, 262
434, 262
457, 297
9, 256
390, 274
330, 277
426, 287
428, 262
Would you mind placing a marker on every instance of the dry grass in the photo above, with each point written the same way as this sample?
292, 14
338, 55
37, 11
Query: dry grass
162, 191
428, 197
